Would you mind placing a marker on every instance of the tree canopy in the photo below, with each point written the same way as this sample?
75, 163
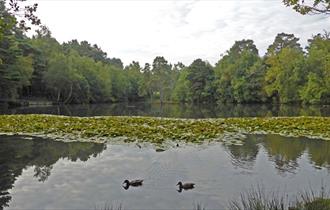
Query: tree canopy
309, 7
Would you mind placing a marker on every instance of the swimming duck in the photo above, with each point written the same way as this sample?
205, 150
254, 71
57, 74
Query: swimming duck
134, 183
186, 186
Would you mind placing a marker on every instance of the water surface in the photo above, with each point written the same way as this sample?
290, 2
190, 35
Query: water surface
42, 174
174, 110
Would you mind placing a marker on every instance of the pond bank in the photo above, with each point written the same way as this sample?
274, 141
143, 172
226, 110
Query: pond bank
158, 130
12, 103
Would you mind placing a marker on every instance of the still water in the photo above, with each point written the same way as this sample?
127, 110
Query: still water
174, 110
42, 174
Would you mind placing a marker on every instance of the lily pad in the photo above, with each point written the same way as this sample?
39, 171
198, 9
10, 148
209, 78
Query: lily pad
160, 130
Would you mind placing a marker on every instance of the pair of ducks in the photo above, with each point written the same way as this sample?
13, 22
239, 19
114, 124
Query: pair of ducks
139, 182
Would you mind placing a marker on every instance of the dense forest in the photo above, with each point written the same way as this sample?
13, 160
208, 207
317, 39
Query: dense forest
80, 72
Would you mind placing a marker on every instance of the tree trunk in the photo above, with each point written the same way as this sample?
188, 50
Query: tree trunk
69, 96
58, 96
161, 97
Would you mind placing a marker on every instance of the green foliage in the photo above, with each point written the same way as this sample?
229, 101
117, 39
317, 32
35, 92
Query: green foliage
15, 63
317, 88
134, 76
285, 74
309, 7
61, 77
84, 48
161, 78
7, 21
181, 90
146, 84
283, 40
201, 76
239, 74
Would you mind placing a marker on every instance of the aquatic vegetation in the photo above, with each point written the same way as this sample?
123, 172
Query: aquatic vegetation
158, 130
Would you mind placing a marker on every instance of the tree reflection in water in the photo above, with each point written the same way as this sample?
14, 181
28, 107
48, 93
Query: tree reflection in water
244, 156
284, 152
175, 110
18, 153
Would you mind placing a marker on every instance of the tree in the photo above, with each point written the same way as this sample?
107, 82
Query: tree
161, 71
317, 88
134, 75
44, 46
182, 91
201, 76
28, 12
116, 62
15, 59
84, 48
285, 69
65, 81
281, 41
285, 75
239, 74
309, 7
146, 83
7, 21
250, 87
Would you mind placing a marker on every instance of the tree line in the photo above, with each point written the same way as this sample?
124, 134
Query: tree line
80, 72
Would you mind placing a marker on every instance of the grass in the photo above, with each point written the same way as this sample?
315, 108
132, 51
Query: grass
258, 199
157, 130
198, 206
108, 206
310, 200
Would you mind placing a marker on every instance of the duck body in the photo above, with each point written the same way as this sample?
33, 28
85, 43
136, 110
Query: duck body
186, 186
134, 183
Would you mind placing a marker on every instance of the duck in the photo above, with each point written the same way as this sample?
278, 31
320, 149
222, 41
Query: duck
133, 183
185, 186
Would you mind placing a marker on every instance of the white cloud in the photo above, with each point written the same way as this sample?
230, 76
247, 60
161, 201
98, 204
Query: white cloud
178, 30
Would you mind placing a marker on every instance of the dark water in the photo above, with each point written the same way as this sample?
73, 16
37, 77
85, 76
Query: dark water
43, 174
174, 110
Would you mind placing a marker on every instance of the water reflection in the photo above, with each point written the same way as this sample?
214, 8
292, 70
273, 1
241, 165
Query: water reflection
244, 156
18, 153
41, 174
284, 152
175, 110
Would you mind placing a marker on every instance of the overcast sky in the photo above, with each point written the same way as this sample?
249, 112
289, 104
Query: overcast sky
178, 30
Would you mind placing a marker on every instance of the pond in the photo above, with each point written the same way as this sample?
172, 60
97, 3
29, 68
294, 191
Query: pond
44, 174
174, 110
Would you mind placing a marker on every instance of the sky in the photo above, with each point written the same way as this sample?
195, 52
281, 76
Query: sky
181, 30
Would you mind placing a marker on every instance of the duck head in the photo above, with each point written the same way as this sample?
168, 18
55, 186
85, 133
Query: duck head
126, 182
179, 184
